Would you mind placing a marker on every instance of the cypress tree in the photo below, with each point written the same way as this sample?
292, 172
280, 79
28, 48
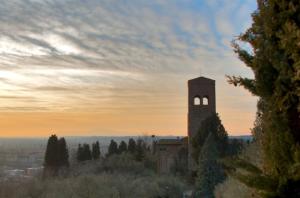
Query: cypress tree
210, 172
274, 59
56, 156
80, 155
131, 145
122, 147
63, 153
84, 152
211, 125
113, 148
209, 145
51, 155
96, 150
87, 154
140, 150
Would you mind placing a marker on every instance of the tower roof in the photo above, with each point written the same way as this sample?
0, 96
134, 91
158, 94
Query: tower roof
201, 78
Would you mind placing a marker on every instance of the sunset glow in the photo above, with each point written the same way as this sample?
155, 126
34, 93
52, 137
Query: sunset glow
93, 67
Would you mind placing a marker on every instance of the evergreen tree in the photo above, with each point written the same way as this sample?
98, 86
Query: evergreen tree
122, 147
51, 156
56, 156
96, 150
274, 59
211, 125
140, 150
209, 145
63, 153
131, 145
87, 154
112, 148
210, 172
80, 155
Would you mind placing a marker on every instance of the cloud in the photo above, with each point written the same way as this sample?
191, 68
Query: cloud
74, 54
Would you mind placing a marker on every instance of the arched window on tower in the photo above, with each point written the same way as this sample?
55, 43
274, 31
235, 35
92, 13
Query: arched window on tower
197, 101
205, 100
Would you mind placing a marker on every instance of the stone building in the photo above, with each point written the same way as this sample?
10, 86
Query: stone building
201, 104
167, 151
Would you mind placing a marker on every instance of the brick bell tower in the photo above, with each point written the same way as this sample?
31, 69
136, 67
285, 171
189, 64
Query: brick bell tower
201, 104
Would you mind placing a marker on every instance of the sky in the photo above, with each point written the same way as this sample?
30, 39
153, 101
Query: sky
118, 67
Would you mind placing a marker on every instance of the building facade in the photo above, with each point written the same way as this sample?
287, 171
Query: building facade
168, 151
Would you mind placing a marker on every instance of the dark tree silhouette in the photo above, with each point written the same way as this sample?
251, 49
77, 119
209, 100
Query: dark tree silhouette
210, 144
96, 150
140, 150
84, 153
63, 153
122, 147
131, 145
113, 148
56, 156
210, 172
51, 156
87, 152
211, 125
80, 154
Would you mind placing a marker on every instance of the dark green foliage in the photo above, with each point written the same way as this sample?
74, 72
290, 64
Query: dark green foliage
150, 161
80, 156
96, 150
56, 155
211, 125
84, 153
141, 148
257, 181
131, 145
210, 171
235, 146
122, 147
275, 61
63, 153
51, 156
137, 151
267, 185
113, 148
87, 152
234, 162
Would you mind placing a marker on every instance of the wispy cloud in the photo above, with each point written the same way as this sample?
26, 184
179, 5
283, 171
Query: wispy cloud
66, 55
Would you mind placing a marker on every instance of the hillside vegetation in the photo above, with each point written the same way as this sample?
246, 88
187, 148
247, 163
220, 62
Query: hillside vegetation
117, 176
